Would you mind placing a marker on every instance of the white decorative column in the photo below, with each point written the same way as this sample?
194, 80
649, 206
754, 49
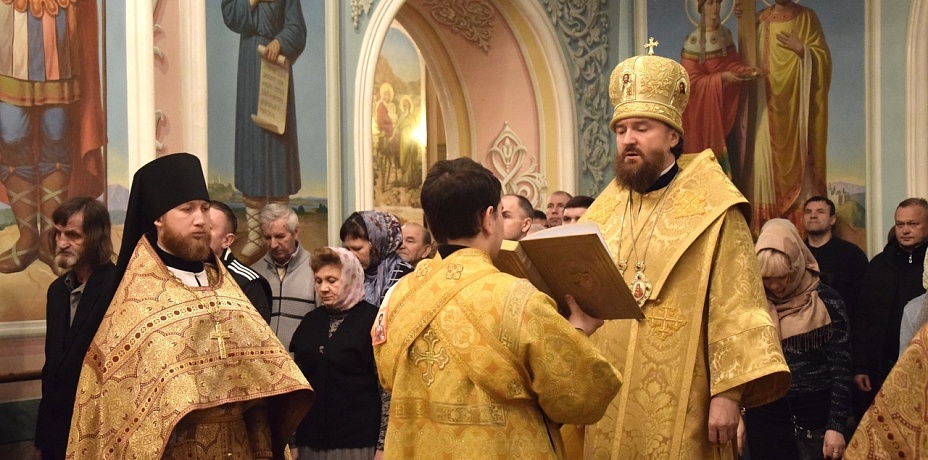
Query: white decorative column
333, 117
193, 88
916, 89
140, 84
876, 233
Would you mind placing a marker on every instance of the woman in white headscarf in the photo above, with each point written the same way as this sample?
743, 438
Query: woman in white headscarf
333, 348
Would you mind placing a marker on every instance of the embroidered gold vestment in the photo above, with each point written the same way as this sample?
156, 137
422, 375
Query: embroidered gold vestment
896, 425
707, 330
481, 366
155, 369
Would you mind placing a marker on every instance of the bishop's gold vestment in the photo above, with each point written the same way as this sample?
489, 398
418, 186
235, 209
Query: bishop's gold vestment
481, 366
896, 425
154, 374
707, 330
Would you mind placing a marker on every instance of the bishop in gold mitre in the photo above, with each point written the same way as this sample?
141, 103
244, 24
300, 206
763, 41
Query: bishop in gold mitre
182, 366
676, 227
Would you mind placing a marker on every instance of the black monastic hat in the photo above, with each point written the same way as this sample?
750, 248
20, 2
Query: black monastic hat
158, 187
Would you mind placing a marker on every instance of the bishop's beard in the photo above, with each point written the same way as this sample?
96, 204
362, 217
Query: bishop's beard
639, 178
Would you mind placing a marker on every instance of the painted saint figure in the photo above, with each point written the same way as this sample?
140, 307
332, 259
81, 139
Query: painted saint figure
267, 165
716, 72
789, 152
410, 148
51, 117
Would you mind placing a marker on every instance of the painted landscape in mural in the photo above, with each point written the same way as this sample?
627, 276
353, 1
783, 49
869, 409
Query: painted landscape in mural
780, 103
398, 127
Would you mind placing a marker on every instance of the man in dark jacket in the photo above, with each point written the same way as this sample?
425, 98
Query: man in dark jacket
76, 303
221, 236
843, 264
893, 278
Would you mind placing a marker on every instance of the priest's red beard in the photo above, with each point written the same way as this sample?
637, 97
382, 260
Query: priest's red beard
638, 177
186, 247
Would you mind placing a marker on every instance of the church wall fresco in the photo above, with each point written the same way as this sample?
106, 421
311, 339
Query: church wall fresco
778, 172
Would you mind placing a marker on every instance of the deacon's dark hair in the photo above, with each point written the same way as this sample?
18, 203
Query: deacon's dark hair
324, 257
226, 211
354, 227
455, 195
98, 247
579, 201
819, 198
539, 214
915, 202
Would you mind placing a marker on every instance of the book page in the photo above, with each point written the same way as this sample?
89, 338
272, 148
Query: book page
585, 228
272, 93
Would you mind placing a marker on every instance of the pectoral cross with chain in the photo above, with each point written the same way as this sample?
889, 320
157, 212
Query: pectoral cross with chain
220, 337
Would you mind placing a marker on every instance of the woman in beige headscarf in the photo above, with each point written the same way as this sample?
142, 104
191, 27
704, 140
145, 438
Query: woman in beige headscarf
812, 322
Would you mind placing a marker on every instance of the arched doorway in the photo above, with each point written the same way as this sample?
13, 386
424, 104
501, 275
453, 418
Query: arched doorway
500, 85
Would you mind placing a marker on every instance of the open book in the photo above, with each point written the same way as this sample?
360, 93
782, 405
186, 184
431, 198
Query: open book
571, 259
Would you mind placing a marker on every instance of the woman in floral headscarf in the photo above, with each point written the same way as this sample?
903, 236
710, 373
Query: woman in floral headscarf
333, 349
374, 237
810, 422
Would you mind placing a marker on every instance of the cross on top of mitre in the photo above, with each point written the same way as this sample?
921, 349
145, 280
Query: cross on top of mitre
652, 43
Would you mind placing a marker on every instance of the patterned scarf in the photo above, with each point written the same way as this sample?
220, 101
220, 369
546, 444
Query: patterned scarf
385, 235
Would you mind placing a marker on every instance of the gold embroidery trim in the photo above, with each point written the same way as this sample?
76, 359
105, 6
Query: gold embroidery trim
452, 414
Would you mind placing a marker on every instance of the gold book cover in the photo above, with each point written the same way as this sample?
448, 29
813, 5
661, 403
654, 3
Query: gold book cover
575, 260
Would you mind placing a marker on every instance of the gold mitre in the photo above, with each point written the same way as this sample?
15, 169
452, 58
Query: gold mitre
649, 87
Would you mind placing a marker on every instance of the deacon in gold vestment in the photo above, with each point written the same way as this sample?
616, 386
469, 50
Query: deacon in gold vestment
895, 425
707, 343
182, 366
479, 363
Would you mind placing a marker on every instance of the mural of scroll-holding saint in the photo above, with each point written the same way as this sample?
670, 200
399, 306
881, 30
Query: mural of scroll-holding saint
716, 73
51, 117
267, 165
791, 135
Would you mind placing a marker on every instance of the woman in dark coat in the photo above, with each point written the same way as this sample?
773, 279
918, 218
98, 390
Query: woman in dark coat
332, 346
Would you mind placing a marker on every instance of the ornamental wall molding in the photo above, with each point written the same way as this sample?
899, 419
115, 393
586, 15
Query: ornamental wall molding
517, 169
471, 19
583, 26
359, 7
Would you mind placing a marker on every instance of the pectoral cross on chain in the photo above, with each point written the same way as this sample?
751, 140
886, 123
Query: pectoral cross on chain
220, 337
429, 356
652, 43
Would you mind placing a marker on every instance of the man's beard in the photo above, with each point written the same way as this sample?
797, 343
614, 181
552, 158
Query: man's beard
638, 178
821, 232
188, 249
66, 261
